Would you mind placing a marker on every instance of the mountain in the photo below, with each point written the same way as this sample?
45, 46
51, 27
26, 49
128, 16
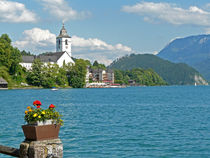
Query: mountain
192, 50
173, 74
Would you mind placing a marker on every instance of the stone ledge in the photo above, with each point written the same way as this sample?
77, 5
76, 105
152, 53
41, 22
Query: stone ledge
41, 149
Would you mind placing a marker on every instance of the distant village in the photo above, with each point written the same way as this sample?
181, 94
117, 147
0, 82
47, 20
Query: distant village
95, 78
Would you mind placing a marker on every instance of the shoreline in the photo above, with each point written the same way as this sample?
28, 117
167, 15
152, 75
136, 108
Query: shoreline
22, 88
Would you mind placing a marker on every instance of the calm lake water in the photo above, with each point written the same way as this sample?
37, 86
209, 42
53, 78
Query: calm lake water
133, 122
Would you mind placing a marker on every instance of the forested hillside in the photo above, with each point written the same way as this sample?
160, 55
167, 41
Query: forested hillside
138, 76
173, 74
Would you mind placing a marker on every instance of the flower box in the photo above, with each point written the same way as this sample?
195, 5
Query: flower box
40, 123
44, 132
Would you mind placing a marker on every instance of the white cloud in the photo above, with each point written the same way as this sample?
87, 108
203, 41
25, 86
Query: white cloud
96, 49
61, 10
94, 44
170, 13
38, 41
15, 12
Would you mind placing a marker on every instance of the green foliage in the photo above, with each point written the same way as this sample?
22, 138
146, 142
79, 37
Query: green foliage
61, 78
140, 76
53, 76
23, 52
10, 58
47, 76
77, 73
96, 65
35, 76
33, 115
5, 75
173, 74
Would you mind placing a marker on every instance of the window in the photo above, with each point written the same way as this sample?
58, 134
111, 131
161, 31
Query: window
59, 43
66, 42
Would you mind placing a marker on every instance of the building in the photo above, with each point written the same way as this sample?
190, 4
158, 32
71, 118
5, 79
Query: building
62, 55
100, 75
3, 83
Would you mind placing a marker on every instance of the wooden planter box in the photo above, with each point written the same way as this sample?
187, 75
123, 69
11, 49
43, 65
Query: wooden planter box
33, 132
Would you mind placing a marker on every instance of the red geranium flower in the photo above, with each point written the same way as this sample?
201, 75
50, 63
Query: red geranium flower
37, 102
52, 106
38, 106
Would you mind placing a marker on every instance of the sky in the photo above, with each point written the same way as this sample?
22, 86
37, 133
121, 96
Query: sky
102, 30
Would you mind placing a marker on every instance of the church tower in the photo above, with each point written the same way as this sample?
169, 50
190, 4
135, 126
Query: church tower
63, 42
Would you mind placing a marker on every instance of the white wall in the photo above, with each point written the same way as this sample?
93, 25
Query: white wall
65, 57
28, 66
63, 47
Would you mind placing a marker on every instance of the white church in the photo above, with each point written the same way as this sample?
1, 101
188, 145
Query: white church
62, 54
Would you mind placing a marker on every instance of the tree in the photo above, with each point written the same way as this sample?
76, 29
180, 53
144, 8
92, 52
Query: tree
49, 73
76, 73
140, 76
118, 76
23, 52
35, 76
96, 65
53, 76
10, 58
61, 78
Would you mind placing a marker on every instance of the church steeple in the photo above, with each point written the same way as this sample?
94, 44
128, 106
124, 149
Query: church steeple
63, 32
63, 41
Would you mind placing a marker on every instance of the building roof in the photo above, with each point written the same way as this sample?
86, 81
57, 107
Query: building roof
51, 57
3, 81
63, 33
28, 59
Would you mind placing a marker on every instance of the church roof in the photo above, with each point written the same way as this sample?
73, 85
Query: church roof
28, 59
63, 33
50, 57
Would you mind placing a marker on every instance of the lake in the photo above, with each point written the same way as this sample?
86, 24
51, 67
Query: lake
133, 122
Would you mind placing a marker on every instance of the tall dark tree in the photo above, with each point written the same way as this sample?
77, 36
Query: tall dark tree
76, 73
97, 65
